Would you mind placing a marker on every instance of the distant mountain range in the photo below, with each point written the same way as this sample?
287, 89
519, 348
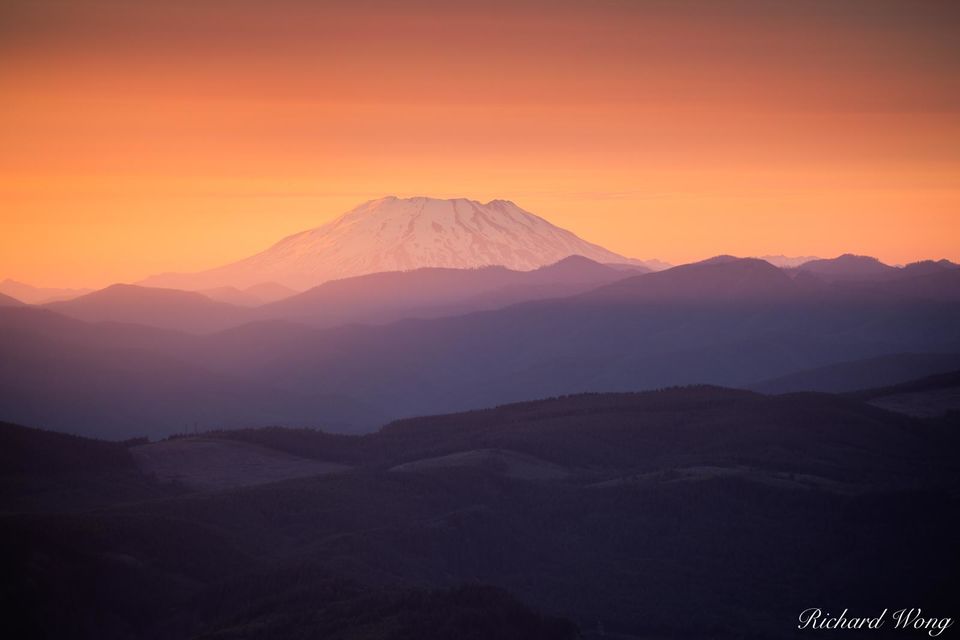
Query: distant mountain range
374, 298
446, 340
436, 292
399, 234
403, 307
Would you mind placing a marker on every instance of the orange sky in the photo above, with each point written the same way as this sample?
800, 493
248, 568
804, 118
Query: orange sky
148, 136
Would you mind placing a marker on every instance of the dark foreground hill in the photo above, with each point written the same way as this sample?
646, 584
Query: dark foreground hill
697, 513
930, 396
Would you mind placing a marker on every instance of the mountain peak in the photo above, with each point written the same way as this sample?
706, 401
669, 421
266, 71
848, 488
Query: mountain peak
711, 280
856, 258
848, 266
393, 201
723, 258
787, 262
401, 234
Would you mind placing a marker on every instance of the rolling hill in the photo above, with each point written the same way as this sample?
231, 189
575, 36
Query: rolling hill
928, 397
653, 499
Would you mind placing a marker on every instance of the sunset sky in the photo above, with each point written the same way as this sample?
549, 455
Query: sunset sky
149, 136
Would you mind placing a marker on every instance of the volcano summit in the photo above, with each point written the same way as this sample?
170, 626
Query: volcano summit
398, 234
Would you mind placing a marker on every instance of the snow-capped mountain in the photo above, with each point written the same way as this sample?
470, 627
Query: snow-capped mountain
398, 234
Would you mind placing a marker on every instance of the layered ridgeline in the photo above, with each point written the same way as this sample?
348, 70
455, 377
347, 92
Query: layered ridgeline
732, 322
399, 234
373, 298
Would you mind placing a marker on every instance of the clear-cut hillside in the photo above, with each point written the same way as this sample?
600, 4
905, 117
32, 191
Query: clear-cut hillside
399, 234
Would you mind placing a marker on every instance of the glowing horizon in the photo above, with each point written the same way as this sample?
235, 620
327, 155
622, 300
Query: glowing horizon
151, 137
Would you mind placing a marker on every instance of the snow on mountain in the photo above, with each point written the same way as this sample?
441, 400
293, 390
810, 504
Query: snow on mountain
398, 234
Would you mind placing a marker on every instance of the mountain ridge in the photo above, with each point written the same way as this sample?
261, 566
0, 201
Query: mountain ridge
29, 294
153, 306
9, 301
439, 291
